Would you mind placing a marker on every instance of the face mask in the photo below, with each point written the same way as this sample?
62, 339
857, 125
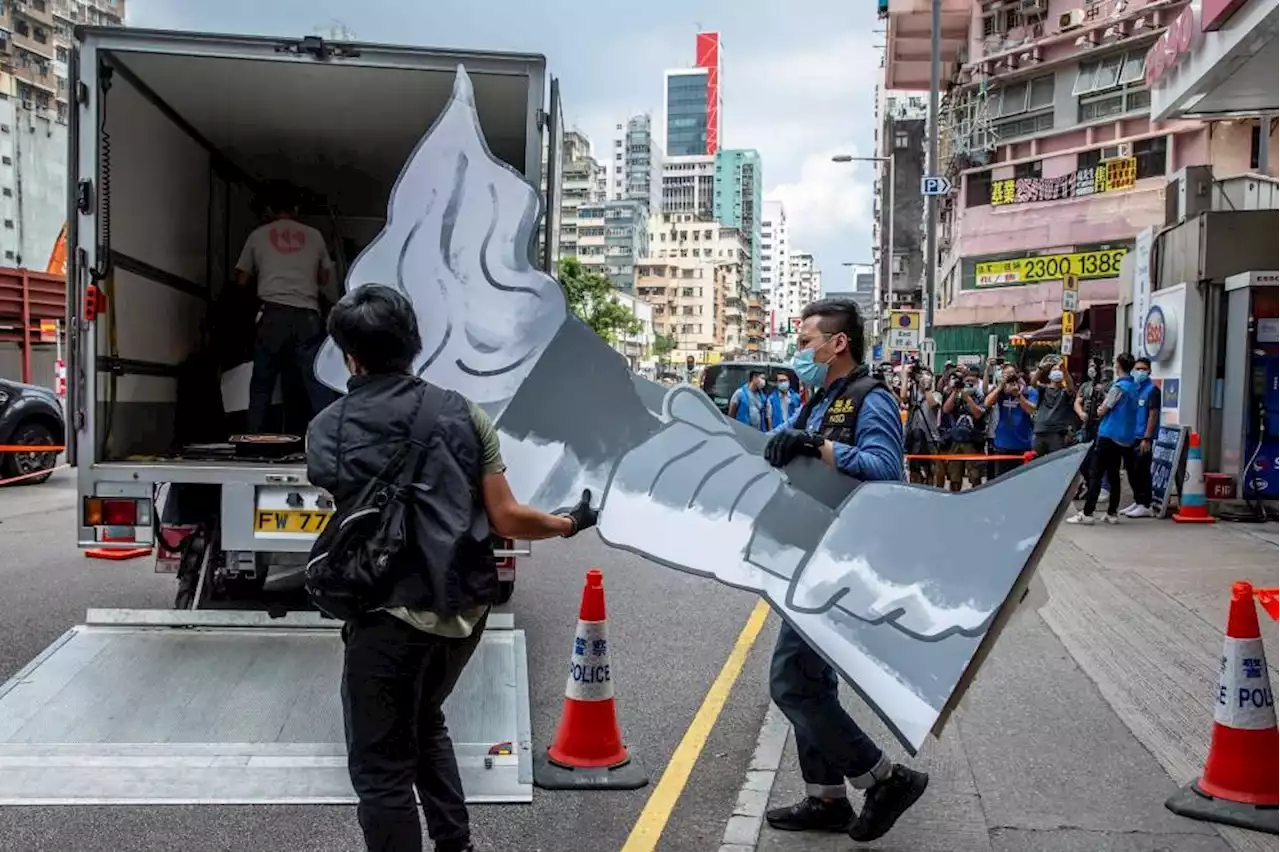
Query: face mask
1055, 375
1140, 376
784, 386
810, 371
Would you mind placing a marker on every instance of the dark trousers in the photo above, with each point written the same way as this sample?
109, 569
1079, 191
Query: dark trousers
1003, 466
395, 679
1108, 458
285, 348
1138, 466
830, 745
1049, 442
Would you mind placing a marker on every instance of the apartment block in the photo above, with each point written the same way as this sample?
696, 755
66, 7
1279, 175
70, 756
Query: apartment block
637, 348
626, 241
902, 135
694, 277
804, 285
583, 182
688, 186
1047, 135
738, 199
775, 245
635, 173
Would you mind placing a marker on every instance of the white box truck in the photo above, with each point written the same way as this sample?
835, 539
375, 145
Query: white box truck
220, 699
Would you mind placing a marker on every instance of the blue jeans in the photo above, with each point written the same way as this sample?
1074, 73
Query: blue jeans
830, 745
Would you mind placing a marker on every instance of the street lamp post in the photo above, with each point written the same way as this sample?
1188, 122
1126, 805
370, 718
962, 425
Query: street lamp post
886, 214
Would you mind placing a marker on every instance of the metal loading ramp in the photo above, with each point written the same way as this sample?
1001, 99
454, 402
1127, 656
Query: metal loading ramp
142, 707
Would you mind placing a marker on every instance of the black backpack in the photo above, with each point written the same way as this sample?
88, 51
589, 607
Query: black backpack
359, 555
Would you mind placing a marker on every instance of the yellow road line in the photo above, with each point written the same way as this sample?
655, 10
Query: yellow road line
662, 801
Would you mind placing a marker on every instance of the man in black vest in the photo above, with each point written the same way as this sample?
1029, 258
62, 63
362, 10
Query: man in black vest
852, 423
403, 659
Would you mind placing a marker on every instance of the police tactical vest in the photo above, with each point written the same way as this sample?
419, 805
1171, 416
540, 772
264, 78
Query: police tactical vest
840, 422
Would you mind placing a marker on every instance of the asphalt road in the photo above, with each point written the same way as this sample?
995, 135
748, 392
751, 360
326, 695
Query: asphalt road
670, 635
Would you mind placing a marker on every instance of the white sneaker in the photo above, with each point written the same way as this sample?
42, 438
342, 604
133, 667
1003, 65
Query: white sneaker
1140, 512
1103, 495
1081, 518
1111, 519
1128, 509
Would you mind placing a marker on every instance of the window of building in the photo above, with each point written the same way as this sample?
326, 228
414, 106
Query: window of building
901, 140
1255, 143
977, 189
1152, 156
1022, 109
8, 255
42, 35
22, 28
1088, 159
1033, 169
8, 161
1112, 85
8, 223
8, 193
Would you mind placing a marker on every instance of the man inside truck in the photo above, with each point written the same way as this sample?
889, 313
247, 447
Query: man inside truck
293, 269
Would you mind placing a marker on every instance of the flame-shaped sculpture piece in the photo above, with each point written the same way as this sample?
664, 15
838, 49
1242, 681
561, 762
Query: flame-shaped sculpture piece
680, 484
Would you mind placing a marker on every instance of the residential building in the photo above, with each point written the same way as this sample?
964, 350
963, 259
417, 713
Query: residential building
775, 244
738, 202
35, 44
901, 133
590, 242
582, 183
1047, 135
694, 275
688, 186
637, 348
635, 172
803, 285
626, 240
691, 102
863, 294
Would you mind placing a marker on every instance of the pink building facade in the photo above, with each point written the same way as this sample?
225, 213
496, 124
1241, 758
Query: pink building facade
1046, 132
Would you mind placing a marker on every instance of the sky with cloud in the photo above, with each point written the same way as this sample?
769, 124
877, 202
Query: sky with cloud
798, 80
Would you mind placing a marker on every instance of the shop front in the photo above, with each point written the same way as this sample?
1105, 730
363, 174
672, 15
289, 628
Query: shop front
1217, 59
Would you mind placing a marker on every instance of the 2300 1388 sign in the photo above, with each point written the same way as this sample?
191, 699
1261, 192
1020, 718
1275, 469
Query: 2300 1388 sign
291, 521
1027, 270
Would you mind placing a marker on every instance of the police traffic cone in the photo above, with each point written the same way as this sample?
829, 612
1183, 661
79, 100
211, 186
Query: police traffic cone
587, 752
1239, 784
1192, 508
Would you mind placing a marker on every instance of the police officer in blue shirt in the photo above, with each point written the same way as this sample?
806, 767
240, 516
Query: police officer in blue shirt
1119, 413
784, 401
1146, 422
852, 423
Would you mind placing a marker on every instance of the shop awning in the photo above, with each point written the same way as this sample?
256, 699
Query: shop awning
1050, 332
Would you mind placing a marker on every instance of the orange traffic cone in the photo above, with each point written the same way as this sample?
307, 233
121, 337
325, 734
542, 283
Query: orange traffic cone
1239, 785
587, 752
1192, 508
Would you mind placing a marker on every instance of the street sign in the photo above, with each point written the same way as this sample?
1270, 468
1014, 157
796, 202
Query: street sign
928, 347
793, 325
904, 330
1066, 344
1070, 282
877, 353
1071, 300
1068, 323
935, 185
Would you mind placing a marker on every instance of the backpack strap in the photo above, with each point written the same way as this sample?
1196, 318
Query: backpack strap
424, 422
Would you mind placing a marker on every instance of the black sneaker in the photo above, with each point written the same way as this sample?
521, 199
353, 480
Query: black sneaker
888, 800
813, 814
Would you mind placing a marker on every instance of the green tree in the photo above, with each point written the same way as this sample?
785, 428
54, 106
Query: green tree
590, 296
663, 346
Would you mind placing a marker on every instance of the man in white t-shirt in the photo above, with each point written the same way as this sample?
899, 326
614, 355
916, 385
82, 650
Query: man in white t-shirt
293, 269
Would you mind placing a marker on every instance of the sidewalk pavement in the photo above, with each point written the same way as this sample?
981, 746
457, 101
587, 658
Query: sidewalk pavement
1090, 712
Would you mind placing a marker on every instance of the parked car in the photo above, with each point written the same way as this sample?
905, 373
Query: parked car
30, 416
719, 381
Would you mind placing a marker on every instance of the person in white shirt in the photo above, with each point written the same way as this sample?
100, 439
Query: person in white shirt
291, 263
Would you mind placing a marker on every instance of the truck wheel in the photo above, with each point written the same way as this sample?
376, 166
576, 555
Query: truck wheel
20, 464
506, 588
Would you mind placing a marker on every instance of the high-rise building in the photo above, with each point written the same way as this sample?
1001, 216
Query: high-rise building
775, 245
691, 102
804, 285
35, 45
688, 186
738, 202
626, 241
635, 173
582, 183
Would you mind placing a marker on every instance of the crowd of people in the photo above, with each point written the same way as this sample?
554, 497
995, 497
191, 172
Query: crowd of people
989, 417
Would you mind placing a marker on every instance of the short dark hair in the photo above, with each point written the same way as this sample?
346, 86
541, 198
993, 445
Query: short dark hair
751, 374
1142, 360
280, 196
1125, 361
839, 316
376, 325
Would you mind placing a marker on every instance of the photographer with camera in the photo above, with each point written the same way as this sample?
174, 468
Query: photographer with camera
1055, 415
922, 435
1015, 404
963, 427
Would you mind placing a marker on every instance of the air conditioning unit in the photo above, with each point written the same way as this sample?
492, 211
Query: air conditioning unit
1070, 20
1123, 151
1188, 194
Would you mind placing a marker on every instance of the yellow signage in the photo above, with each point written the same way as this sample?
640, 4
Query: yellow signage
1071, 283
1108, 176
291, 521
1068, 323
907, 320
1029, 270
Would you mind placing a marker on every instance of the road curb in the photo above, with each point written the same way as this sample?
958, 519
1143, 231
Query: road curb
742, 833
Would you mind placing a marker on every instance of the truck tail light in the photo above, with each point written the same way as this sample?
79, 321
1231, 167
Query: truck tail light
117, 512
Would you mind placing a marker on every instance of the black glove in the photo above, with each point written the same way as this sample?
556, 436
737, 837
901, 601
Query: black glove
582, 515
788, 444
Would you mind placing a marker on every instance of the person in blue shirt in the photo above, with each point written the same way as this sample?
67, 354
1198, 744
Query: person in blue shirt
852, 423
783, 402
1014, 403
1119, 417
748, 403
1146, 422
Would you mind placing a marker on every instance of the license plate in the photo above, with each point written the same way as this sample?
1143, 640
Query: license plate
291, 521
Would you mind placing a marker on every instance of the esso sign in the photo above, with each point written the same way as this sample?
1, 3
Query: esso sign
1171, 46
1156, 334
